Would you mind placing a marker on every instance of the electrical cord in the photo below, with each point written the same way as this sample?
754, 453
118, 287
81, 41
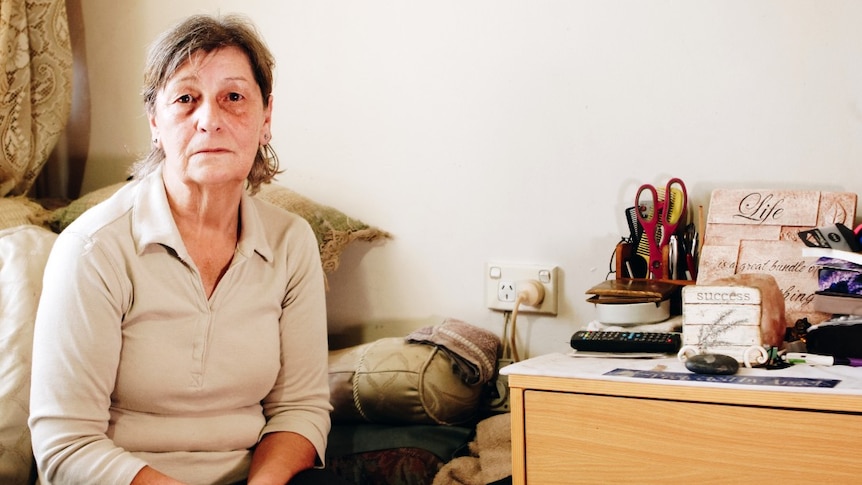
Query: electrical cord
513, 342
531, 293
506, 353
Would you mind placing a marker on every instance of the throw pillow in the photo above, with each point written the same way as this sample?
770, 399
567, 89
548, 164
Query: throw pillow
334, 229
392, 381
62, 217
23, 254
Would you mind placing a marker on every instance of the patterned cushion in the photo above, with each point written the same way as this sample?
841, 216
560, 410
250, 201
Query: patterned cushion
64, 216
382, 454
23, 253
333, 228
397, 466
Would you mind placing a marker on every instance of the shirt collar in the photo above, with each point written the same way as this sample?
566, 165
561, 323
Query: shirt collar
252, 239
152, 222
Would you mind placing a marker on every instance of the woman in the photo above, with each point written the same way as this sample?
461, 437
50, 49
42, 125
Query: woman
181, 334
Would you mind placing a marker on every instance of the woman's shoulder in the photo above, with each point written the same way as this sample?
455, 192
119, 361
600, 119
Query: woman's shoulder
112, 203
280, 223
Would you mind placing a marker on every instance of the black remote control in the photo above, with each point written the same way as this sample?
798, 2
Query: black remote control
626, 342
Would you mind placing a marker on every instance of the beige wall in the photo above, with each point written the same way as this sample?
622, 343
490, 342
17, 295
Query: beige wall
515, 130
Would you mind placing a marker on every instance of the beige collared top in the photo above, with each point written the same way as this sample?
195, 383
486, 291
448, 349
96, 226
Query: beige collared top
134, 365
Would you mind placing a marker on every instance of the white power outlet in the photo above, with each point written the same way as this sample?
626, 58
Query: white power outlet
503, 281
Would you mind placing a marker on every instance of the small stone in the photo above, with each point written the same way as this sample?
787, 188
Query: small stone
712, 364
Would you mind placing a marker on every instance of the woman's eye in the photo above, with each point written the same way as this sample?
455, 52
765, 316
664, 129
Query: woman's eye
234, 96
186, 98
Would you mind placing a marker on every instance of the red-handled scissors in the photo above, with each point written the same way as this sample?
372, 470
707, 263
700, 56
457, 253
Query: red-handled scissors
660, 215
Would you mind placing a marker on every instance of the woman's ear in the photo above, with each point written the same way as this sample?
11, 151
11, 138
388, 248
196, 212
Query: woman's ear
154, 130
266, 129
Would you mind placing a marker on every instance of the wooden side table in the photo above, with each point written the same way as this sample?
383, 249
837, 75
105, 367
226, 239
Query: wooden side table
571, 423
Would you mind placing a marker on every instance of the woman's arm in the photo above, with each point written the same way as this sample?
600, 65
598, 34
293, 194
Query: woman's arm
299, 400
279, 457
76, 349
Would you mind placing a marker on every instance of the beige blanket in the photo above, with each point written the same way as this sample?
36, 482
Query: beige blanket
490, 457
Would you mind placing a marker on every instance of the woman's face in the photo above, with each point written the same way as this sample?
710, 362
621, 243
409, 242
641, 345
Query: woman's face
210, 119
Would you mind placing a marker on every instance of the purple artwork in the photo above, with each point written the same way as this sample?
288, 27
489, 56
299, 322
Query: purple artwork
839, 276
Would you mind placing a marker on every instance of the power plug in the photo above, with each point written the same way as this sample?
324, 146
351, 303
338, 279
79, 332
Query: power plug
531, 292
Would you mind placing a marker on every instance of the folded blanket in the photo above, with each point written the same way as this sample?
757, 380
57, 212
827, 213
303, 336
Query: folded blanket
491, 456
463, 470
493, 446
473, 350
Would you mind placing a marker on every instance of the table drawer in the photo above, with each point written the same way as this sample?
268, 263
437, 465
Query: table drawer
583, 438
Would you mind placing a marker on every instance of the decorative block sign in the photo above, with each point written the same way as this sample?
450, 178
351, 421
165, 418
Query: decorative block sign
721, 319
756, 231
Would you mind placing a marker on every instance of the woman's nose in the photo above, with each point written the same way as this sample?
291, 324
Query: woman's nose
209, 116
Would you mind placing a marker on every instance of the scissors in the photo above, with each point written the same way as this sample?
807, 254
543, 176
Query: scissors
660, 215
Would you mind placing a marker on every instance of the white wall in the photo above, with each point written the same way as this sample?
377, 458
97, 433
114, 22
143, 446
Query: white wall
512, 130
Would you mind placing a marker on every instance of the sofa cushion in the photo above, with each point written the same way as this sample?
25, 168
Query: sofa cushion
23, 253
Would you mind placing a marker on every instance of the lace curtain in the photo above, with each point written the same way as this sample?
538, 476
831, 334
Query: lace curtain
35, 88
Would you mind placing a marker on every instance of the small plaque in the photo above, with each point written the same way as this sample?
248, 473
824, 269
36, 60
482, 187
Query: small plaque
721, 319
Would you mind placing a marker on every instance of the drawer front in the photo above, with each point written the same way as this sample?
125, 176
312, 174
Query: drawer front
578, 438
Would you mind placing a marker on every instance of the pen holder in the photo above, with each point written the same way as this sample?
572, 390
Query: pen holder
626, 251
627, 263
